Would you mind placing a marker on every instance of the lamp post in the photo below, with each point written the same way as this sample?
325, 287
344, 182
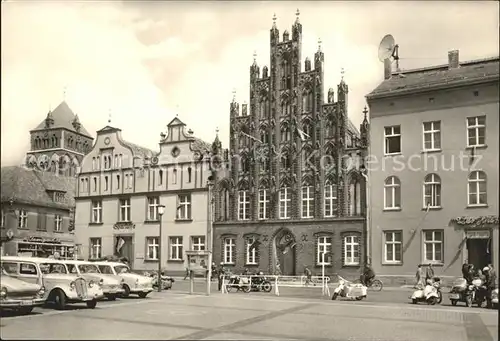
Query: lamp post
364, 173
210, 184
161, 210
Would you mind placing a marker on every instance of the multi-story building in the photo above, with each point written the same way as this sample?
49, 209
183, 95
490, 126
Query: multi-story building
38, 201
59, 142
292, 190
434, 168
121, 186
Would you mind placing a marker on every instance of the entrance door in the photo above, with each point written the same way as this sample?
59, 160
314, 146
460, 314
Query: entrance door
125, 248
479, 252
284, 253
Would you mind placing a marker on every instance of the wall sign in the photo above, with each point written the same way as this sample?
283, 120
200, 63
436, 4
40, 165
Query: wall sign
124, 226
34, 239
481, 234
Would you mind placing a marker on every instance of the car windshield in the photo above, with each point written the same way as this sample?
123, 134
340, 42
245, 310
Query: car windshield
52, 268
88, 269
106, 269
120, 269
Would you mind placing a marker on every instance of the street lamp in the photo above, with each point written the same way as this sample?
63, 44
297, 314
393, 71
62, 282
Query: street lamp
161, 210
210, 185
364, 173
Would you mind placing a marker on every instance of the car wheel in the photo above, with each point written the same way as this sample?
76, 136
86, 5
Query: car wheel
432, 300
143, 294
111, 297
453, 302
127, 290
26, 310
91, 304
59, 299
267, 287
414, 301
359, 298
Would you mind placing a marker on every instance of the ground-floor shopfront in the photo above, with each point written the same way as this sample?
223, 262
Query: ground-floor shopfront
398, 252
287, 247
140, 244
36, 246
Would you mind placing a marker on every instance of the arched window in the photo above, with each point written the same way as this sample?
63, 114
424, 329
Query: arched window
330, 128
476, 189
98, 163
242, 140
285, 133
264, 136
174, 176
432, 191
355, 197
285, 160
245, 166
94, 164
285, 200
189, 171
307, 193
392, 193
224, 204
262, 109
160, 177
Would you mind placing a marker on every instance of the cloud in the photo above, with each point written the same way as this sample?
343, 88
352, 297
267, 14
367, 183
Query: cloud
148, 61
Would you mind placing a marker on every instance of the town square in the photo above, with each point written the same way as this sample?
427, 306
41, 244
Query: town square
196, 170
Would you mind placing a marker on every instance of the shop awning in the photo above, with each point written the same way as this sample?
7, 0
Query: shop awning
46, 244
489, 221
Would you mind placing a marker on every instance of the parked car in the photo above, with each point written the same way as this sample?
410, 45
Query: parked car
111, 285
18, 295
61, 286
133, 283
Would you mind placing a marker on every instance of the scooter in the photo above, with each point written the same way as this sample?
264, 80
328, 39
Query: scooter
431, 293
349, 290
239, 283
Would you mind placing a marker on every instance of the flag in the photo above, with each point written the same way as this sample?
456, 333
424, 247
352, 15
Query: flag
472, 155
120, 244
254, 245
251, 137
303, 136
428, 207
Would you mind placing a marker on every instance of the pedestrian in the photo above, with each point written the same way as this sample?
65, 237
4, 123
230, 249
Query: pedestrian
429, 273
490, 285
465, 270
308, 274
420, 277
221, 273
186, 274
492, 271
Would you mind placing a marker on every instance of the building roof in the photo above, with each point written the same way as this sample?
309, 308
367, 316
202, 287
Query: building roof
352, 128
63, 118
139, 150
200, 145
28, 186
435, 77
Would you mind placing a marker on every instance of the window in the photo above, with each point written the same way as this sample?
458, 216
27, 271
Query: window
189, 171
263, 204
243, 205
95, 248
432, 191
392, 247
284, 202
330, 200
184, 206
94, 164
23, 219
153, 248
176, 248
106, 183
392, 193
174, 176
116, 161
392, 137
27, 269
285, 134
124, 209
96, 211
355, 197
351, 250
251, 251
58, 223
433, 246
307, 202
153, 203
128, 180
95, 184
224, 202
107, 161
229, 250
432, 135
198, 243
476, 131
476, 189
160, 177
2, 221
324, 245
117, 181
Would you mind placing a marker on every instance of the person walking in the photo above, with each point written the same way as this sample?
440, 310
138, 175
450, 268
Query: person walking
221, 273
308, 274
490, 284
429, 273
420, 277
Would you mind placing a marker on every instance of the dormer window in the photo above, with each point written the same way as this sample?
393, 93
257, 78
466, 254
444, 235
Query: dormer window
57, 196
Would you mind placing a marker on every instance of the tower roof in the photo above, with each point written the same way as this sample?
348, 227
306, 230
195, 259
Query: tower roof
63, 117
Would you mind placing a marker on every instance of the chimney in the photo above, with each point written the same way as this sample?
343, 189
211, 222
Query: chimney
453, 61
387, 68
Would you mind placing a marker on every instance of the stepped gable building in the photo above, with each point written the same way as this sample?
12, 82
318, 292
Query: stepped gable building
59, 142
436, 201
120, 188
37, 213
292, 190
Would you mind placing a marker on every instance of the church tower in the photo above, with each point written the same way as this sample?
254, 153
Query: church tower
59, 142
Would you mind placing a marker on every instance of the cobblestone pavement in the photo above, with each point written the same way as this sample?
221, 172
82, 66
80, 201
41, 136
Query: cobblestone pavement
171, 315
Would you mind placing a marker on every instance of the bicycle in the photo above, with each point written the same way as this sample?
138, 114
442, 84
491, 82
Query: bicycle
374, 284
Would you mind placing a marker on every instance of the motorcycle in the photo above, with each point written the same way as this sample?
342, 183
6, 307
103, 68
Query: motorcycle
261, 283
431, 293
239, 283
349, 290
463, 292
166, 282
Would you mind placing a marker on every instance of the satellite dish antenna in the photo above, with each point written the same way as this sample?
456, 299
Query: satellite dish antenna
388, 49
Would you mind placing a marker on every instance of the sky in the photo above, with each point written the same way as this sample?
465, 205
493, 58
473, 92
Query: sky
143, 63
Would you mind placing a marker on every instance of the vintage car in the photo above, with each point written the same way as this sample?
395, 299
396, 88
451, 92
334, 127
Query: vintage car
134, 283
61, 287
18, 295
111, 285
